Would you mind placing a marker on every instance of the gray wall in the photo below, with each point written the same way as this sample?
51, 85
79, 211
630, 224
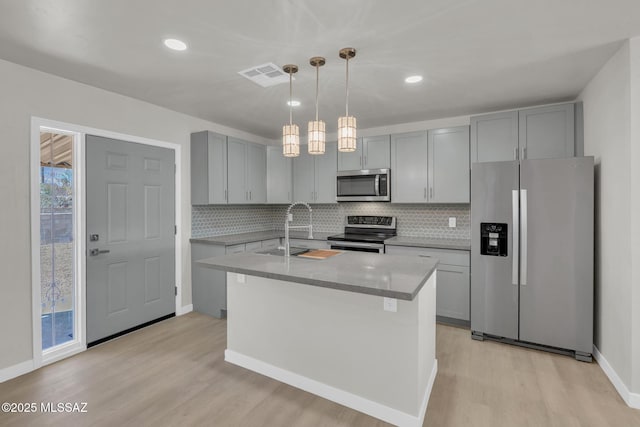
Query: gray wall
607, 136
26, 93
413, 220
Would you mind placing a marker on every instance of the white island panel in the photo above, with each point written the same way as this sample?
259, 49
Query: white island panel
339, 345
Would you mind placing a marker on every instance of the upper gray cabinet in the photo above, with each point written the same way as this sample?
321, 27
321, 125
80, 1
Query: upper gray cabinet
431, 167
547, 132
494, 137
373, 152
246, 171
279, 176
314, 176
208, 168
449, 173
533, 133
409, 167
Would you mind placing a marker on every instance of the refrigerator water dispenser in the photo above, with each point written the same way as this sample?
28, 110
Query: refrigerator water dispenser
493, 239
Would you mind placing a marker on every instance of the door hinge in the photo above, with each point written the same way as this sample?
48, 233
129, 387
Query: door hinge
176, 290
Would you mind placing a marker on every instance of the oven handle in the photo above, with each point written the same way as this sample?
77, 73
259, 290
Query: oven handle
356, 244
377, 185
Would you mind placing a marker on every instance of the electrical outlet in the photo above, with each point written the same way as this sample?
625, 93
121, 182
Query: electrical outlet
452, 222
390, 304
290, 217
242, 278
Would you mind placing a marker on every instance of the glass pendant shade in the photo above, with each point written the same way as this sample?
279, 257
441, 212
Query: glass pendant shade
290, 140
290, 132
316, 137
347, 134
347, 141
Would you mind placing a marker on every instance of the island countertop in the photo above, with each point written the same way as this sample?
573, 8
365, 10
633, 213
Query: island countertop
392, 276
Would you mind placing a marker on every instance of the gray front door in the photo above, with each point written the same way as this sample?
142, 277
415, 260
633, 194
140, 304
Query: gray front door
130, 235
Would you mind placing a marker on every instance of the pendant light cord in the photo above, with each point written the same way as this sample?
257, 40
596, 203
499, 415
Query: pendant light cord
347, 109
290, 98
317, 79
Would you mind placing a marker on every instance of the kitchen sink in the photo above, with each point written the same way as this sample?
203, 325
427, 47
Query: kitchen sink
280, 252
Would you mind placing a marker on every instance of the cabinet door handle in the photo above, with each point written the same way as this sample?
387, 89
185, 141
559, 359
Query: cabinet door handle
289, 195
524, 153
225, 194
250, 195
360, 160
365, 160
425, 256
312, 195
431, 192
425, 193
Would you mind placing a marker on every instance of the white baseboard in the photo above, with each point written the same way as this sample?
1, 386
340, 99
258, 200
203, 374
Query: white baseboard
328, 392
14, 371
427, 393
631, 399
184, 310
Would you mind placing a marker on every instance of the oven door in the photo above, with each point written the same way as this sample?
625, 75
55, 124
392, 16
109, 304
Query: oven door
357, 246
363, 185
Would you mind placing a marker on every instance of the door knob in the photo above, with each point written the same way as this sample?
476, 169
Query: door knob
94, 252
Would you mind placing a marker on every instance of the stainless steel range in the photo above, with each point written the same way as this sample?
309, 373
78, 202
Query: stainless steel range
364, 233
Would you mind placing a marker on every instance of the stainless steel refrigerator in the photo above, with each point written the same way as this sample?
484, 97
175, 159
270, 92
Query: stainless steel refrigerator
532, 253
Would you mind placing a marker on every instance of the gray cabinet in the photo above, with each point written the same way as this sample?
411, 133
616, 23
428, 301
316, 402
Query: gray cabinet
449, 169
373, 152
314, 176
409, 167
431, 167
547, 132
279, 176
208, 168
246, 172
494, 137
209, 286
453, 281
532, 133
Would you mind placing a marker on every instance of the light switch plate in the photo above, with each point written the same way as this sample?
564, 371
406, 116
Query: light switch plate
390, 304
452, 222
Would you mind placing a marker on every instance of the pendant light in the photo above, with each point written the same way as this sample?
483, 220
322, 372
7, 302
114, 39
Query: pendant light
290, 132
347, 124
316, 134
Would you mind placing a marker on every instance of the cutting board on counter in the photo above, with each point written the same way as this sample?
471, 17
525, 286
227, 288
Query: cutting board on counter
320, 254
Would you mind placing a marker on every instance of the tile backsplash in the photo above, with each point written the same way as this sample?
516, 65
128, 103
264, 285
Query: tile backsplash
413, 220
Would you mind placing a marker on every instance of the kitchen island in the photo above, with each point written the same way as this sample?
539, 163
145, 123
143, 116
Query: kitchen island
355, 328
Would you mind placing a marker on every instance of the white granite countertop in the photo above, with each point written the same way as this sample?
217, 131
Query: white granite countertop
393, 276
237, 239
427, 242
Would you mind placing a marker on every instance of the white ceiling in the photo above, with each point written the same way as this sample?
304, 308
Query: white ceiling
476, 56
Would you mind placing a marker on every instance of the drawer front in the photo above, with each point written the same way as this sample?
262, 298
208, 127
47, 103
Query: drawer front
445, 256
309, 244
235, 249
271, 243
253, 246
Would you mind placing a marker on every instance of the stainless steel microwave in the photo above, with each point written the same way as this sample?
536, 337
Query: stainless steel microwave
369, 185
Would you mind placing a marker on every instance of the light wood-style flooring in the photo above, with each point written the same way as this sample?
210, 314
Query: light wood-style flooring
173, 373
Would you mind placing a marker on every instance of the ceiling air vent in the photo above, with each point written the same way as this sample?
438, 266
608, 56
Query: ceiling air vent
265, 75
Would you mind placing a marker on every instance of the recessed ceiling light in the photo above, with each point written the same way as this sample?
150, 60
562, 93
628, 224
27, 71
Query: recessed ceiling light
175, 44
293, 103
413, 79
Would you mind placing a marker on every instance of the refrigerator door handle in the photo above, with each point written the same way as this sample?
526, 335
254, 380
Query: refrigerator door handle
516, 236
523, 249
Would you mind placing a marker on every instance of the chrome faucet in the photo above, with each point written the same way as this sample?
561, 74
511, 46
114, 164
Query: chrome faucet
288, 219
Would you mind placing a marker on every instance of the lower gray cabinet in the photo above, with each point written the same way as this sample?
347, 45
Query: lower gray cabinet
453, 280
209, 286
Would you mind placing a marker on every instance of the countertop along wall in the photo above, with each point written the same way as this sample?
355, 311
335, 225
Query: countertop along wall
26, 92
